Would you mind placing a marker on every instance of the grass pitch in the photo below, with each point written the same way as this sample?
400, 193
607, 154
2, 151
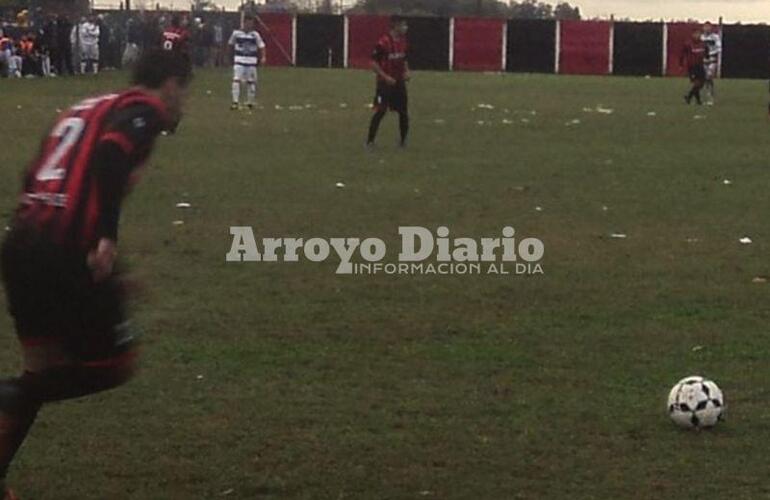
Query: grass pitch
289, 381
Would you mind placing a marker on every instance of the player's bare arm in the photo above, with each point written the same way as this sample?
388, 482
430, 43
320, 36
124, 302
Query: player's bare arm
381, 73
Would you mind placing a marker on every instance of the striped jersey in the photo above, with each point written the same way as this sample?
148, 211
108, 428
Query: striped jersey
73, 190
175, 38
713, 44
246, 47
391, 55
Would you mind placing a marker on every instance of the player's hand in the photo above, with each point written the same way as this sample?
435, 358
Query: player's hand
102, 259
407, 76
390, 80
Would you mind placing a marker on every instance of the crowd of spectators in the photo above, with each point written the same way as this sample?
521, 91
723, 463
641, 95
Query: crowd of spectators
42, 44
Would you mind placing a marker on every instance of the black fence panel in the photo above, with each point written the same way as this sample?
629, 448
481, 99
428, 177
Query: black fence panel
428, 43
745, 51
531, 46
638, 49
320, 41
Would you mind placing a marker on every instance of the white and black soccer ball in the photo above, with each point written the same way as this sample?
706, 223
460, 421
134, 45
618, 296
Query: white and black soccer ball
696, 403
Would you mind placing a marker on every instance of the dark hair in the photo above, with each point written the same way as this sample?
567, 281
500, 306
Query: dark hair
176, 21
397, 19
249, 17
156, 66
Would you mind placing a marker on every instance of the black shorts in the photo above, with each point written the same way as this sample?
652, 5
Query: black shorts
697, 73
53, 298
391, 97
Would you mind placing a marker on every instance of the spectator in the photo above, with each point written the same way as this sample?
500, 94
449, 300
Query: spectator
63, 53
86, 36
219, 44
134, 35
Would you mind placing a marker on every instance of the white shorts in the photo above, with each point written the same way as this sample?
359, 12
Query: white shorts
244, 73
711, 70
90, 52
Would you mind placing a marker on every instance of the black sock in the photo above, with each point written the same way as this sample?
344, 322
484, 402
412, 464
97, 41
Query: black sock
18, 410
374, 126
403, 126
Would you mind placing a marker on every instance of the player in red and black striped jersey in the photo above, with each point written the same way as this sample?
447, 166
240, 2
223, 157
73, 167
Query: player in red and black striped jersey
390, 64
693, 57
176, 36
58, 258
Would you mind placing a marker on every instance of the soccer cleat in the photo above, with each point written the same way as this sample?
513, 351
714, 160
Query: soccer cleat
687, 99
369, 147
250, 106
235, 106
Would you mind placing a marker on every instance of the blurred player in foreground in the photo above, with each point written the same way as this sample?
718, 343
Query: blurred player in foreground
693, 55
58, 257
390, 64
176, 36
248, 53
713, 51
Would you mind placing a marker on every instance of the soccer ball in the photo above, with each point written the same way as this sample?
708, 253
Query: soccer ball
696, 403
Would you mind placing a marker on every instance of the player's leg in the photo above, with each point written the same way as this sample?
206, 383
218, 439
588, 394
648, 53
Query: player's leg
18, 411
72, 332
381, 104
251, 83
697, 78
95, 59
709, 83
236, 86
21, 398
401, 103
83, 60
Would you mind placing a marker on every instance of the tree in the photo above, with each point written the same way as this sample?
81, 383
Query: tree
565, 11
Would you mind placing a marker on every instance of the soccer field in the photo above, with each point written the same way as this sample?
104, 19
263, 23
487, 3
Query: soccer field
286, 380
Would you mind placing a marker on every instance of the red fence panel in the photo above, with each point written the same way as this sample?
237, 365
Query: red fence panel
678, 35
363, 34
585, 48
478, 44
277, 32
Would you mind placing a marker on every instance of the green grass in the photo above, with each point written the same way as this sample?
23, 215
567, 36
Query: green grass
289, 381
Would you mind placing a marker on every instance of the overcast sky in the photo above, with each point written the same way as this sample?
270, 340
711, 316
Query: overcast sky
731, 10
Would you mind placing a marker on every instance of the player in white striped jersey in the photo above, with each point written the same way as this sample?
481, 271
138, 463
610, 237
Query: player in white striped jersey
713, 43
248, 52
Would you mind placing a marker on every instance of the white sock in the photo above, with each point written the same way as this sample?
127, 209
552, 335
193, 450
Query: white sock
252, 92
236, 92
95, 67
83, 67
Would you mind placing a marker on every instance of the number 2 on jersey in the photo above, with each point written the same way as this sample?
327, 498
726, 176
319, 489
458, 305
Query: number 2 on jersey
68, 131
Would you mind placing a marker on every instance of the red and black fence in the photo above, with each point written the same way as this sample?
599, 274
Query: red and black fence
518, 45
